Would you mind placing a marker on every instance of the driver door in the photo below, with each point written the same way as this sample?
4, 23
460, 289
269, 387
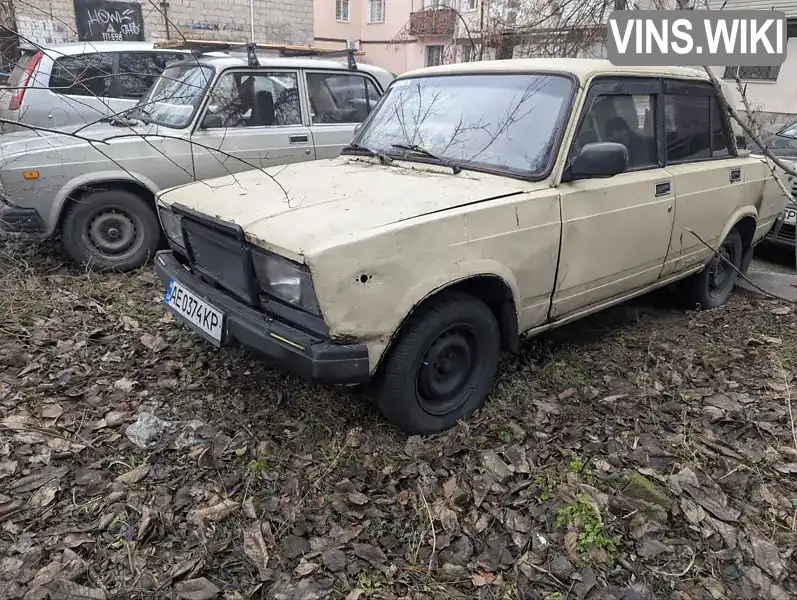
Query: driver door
254, 116
616, 230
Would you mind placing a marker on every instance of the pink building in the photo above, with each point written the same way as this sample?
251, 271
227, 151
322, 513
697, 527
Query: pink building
393, 34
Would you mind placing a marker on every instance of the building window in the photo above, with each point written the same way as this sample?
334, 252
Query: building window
752, 73
376, 11
439, 3
467, 53
434, 55
470, 5
342, 10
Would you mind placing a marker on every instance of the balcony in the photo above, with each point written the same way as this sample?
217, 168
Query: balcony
433, 22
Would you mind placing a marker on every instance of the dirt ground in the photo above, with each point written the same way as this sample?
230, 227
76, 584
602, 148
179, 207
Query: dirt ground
643, 453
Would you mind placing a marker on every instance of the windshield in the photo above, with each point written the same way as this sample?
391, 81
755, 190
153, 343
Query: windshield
175, 96
508, 123
789, 131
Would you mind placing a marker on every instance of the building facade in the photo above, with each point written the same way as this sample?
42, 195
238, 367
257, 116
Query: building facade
770, 91
402, 35
55, 21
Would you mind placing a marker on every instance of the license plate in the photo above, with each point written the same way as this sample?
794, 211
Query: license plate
203, 317
790, 216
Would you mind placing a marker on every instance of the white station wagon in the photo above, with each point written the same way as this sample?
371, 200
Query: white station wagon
478, 202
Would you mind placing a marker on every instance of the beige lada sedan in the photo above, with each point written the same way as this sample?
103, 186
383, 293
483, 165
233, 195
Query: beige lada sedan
477, 203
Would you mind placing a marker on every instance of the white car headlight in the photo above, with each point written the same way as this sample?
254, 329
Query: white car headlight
286, 281
171, 226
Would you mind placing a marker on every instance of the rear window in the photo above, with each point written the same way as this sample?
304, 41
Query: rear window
139, 70
17, 76
82, 74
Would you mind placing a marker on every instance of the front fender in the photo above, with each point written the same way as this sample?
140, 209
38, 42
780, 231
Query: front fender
87, 179
378, 316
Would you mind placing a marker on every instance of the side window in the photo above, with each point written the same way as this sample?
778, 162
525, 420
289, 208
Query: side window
628, 119
687, 127
373, 93
82, 74
720, 142
139, 70
340, 97
243, 99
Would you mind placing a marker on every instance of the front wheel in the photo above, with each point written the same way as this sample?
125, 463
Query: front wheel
442, 365
711, 287
111, 230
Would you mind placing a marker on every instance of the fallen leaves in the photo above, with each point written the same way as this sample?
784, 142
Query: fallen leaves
216, 512
256, 550
134, 475
127, 443
197, 589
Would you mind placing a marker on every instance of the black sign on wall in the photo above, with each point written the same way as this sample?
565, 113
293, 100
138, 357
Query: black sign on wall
106, 20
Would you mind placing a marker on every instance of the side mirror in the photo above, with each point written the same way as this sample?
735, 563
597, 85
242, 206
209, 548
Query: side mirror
599, 159
212, 121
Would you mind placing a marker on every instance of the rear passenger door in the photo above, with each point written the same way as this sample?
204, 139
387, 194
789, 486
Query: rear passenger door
256, 116
615, 230
339, 101
135, 74
709, 179
81, 88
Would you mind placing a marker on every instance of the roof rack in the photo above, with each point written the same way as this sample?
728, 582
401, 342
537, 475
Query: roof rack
204, 46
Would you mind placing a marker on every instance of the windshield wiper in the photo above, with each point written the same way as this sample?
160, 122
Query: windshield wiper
122, 121
358, 149
418, 150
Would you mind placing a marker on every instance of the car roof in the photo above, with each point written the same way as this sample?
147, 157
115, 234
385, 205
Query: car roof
583, 68
73, 48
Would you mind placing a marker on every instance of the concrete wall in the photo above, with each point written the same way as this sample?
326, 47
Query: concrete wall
280, 22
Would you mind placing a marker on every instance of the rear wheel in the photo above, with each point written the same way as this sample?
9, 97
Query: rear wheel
112, 230
711, 287
442, 366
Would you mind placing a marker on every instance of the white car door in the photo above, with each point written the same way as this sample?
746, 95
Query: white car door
256, 119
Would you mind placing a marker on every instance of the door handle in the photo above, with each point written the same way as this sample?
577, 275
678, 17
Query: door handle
663, 188
298, 139
735, 175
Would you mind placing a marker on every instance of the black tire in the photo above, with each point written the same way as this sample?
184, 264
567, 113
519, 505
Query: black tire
711, 287
452, 324
112, 230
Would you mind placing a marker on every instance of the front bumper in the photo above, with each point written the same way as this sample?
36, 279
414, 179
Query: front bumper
20, 220
309, 356
782, 234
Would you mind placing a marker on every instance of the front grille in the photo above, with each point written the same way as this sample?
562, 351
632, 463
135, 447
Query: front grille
221, 260
786, 233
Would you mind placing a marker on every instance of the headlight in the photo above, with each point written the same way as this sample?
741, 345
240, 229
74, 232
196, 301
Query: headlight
285, 281
172, 227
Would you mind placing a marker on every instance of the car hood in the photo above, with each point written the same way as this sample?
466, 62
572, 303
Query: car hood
305, 207
27, 142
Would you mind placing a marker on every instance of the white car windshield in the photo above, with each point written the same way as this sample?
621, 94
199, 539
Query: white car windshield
790, 131
509, 123
175, 96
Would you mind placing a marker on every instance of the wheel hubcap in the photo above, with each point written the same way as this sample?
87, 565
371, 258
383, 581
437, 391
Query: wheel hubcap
112, 232
720, 271
445, 370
